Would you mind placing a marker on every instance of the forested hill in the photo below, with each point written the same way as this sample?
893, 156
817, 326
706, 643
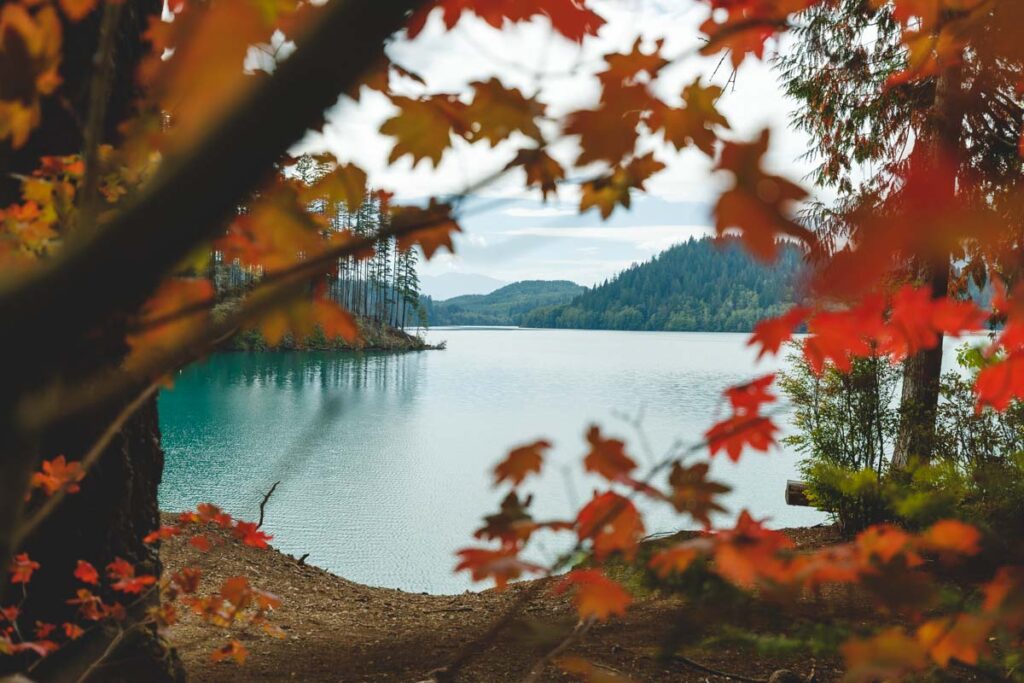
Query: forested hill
504, 306
698, 285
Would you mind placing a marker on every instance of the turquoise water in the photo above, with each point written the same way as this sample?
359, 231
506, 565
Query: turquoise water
384, 460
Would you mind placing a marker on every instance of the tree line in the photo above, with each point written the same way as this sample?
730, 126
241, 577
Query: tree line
699, 285
382, 290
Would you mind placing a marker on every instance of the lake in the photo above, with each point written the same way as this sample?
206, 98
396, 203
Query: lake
384, 459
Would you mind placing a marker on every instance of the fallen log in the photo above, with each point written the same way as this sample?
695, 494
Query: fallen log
796, 493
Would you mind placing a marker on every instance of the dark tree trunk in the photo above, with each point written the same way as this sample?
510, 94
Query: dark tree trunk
919, 401
117, 503
922, 372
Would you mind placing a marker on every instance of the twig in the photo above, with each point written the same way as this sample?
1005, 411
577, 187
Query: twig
90, 458
99, 94
263, 503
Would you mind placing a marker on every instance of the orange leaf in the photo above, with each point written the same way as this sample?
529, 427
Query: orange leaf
694, 493
1000, 384
497, 112
77, 10
422, 128
749, 397
772, 333
520, 462
607, 457
963, 638
172, 315
502, 565
596, 596
950, 535
758, 203
615, 188
22, 567
571, 18
57, 474
86, 573
431, 228
612, 523
541, 169
741, 431
676, 559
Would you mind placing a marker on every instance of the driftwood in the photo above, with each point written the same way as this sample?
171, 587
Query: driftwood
796, 493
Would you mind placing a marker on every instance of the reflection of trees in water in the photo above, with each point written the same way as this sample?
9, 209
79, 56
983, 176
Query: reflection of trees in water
301, 370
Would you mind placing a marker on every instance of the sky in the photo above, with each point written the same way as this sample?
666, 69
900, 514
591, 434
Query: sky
510, 234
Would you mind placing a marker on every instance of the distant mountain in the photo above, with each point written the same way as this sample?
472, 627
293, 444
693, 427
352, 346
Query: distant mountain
504, 306
448, 285
697, 285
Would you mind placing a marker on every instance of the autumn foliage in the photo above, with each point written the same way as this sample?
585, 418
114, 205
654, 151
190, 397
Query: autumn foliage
861, 297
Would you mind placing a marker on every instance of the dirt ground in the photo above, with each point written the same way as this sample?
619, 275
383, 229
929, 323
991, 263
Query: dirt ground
342, 631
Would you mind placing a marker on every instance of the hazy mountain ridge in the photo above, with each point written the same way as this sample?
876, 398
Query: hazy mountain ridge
698, 285
504, 306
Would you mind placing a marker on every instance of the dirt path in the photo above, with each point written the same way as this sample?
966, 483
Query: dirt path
340, 631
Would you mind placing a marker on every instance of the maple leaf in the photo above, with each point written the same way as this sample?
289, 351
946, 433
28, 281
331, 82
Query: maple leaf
162, 534
626, 69
234, 650
22, 567
187, 580
963, 638
749, 552
502, 565
86, 573
520, 462
200, 542
772, 333
612, 523
758, 203
346, 183
497, 112
749, 397
275, 233
431, 227
595, 595
888, 655
57, 474
744, 26
693, 493
741, 431
952, 536
916, 321
422, 128
164, 325
72, 631
591, 673
541, 169
610, 132
76, 10
1000, 384
90, 606
837, 336
250, 535
615, 188
694, 123
125, 580
44, 629
676, 559
607, 457
570, 18
30, 55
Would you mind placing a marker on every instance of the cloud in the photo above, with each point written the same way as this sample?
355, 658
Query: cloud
539, 212
646, 237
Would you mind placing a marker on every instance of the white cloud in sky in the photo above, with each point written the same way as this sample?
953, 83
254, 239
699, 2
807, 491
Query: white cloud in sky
540, 211
646, 237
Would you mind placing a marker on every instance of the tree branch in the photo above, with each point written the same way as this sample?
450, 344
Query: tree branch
117, 265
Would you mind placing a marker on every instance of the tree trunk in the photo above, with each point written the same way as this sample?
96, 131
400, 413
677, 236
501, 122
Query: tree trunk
922, 372
919, 401
117, 503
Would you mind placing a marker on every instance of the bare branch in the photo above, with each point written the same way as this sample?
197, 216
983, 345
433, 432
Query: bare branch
263, 503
